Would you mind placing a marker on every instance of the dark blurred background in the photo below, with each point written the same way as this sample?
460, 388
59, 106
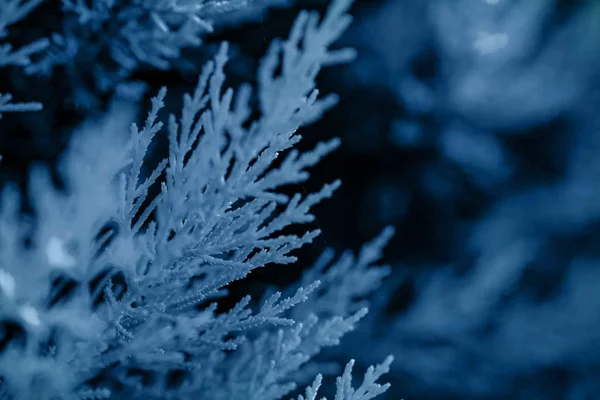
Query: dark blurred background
469, 125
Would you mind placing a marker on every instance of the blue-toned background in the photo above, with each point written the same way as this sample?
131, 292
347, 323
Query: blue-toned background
472, 126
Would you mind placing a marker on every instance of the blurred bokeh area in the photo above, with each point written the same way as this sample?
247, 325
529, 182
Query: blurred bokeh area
473, 128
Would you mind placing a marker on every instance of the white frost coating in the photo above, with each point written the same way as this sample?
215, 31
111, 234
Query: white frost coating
58, 255
7, 284
30, 315
486, 43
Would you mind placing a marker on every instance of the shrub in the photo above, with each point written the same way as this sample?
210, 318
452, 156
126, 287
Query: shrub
114, 289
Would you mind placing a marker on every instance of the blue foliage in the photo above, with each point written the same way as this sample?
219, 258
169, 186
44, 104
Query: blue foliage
116, 289
488, 144
134, 267
12, 11
101, 43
